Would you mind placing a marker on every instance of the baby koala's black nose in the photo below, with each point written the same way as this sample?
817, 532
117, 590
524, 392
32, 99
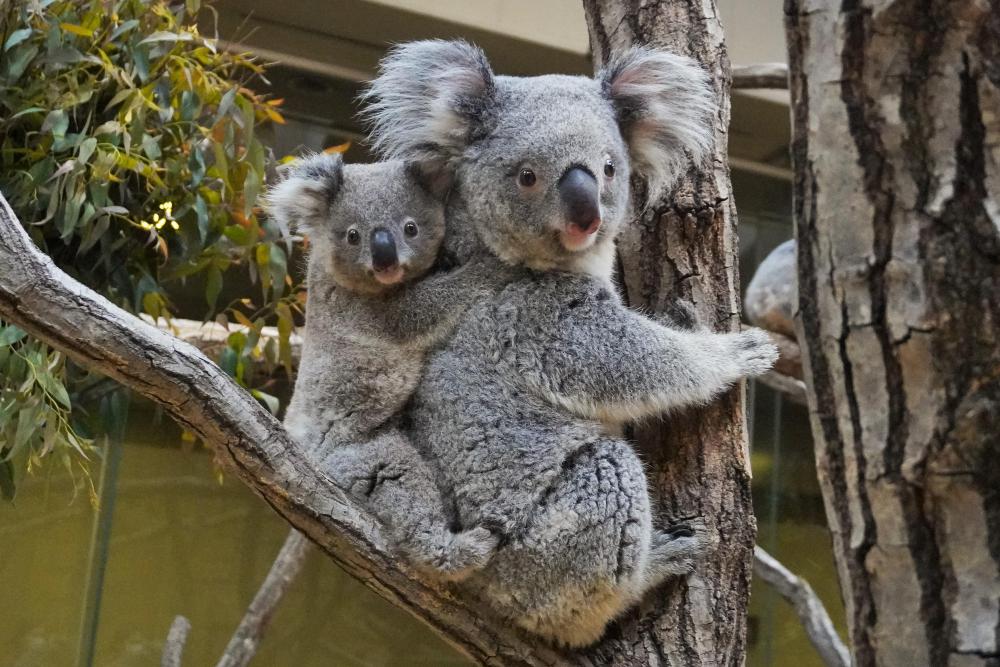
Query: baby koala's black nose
581, 199
384, 255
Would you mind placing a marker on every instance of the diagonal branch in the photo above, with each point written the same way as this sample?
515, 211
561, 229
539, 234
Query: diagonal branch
761, 76
243, 645
798, 593
173, 649
48, 304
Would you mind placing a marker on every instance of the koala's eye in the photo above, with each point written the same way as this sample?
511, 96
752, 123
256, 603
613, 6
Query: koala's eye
353, 237
410, 229
526, 178
609, 168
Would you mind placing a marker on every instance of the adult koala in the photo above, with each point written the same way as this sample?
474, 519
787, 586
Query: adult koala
510, 411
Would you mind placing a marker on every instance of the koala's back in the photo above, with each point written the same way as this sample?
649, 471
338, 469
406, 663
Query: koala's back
347, 385
478, 413
571, 501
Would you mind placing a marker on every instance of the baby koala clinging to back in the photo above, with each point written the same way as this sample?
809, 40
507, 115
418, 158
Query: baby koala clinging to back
374, 230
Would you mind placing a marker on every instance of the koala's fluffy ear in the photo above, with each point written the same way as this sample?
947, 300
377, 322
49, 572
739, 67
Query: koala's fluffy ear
428, 99
302, 200
434, 179
664, 103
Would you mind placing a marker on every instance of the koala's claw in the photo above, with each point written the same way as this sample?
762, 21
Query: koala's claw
679, 530
754, 352
677, 550
682, 314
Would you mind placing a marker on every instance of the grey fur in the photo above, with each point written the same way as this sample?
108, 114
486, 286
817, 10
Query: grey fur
365, 344
510, 410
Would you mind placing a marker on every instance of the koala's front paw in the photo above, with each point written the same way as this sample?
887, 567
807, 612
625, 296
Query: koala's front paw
468, 551
753, 352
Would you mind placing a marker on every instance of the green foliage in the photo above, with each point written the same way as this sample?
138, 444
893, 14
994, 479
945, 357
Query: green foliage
128, 149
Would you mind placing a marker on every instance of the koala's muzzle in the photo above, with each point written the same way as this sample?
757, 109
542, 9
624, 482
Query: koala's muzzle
581, 202
384, 254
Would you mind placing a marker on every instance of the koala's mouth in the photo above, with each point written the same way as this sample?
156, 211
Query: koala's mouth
575, 239
389, 276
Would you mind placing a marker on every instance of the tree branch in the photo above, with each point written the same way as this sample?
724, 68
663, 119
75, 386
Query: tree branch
798, 593
48, 304
243, 645
762, 75
174, 646
790, 387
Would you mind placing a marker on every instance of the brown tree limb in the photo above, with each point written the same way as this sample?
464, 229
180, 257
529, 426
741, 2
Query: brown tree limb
761, 76
813, 615
790, 387
173, 648
684, 244
243, 645
41, 299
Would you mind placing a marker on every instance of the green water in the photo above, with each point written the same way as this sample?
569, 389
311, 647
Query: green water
183, 543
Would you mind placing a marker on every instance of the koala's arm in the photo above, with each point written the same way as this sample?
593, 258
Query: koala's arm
422, 313
610, 363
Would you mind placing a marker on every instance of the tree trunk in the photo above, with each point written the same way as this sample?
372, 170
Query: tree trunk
896, 113
685, 246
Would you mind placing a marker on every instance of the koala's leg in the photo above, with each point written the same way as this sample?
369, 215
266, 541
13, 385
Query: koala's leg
583, 558
389, 477
608, 363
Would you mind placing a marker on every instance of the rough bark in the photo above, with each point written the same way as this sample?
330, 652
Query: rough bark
48, 304
685, 246
897, 208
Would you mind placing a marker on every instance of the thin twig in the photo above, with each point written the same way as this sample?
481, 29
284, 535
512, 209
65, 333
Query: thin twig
792, 388
243, 645
174, 646
798, 593
763, 75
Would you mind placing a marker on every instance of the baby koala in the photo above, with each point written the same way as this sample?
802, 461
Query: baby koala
374, 230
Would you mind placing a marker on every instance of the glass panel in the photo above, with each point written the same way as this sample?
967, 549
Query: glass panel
791, 520
184, 541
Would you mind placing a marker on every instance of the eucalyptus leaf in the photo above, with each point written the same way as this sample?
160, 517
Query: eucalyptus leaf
95, 163
10, 334
165, 36
16, 38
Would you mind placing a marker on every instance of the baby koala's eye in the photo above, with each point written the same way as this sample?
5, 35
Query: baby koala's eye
609, 168
353, 237
526, 178
410, 229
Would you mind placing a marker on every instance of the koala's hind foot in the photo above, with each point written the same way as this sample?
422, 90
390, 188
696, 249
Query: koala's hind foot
452, 556
390, 478
676, 551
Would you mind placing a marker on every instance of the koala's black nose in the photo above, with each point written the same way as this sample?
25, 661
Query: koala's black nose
384, 255
581, 199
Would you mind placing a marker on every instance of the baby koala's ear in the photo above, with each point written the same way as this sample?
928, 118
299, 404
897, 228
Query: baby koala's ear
665, 107
428, 100
433, 177
302, 200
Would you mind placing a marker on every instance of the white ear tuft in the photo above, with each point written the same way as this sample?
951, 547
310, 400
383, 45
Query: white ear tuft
302, 199
427, 99
665, 105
